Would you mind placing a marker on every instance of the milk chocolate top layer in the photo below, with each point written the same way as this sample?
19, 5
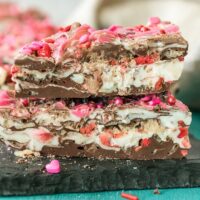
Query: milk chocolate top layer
113, 61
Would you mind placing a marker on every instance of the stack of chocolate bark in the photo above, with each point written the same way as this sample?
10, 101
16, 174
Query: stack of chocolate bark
99, 93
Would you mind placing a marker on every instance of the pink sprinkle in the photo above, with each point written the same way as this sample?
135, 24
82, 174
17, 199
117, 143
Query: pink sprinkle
146, 98
100, 105
181, 106
53, 167
83, 39
113, 28
60, 105
118, 101
153, 21
35, 45
26, 51
82, 110
155, 101
171, 29
42, 135
90, 30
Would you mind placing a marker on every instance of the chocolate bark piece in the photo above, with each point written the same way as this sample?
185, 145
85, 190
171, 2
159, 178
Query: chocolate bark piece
80, 62
145, 127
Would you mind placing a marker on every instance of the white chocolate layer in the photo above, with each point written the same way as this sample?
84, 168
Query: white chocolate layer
168, 128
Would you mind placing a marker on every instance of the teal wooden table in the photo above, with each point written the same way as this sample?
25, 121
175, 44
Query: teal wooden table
167, 194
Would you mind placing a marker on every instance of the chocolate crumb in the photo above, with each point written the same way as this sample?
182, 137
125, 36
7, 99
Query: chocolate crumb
156, 191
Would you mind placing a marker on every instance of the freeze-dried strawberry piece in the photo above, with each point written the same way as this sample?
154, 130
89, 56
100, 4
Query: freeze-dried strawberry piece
183, 132
184, 152
82, 110
159, 83
44, 51
141, 60
82, 30
118, 135
106, 37
5, 98
42, 135
87, 130
171, 100
145, 142
105, 138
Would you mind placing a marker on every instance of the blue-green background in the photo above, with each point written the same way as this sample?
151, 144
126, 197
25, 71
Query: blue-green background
167, 194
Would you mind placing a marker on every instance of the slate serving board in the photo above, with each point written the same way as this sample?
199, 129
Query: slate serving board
88, 175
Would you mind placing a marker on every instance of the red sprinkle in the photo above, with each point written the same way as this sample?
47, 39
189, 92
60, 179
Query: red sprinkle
84, 38
183, 132
44, 51
171, 100
82, 110
129, 196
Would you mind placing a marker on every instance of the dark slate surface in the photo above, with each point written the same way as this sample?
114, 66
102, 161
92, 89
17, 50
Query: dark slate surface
80, 175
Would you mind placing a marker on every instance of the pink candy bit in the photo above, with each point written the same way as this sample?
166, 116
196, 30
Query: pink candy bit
153, 21
181, 106
171, 29
129, 196
171, 100
82, 110
146, 98
25, 50
118, 101
5, 99
53, 167
155, 101
59, 105
35, 45
83, 38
